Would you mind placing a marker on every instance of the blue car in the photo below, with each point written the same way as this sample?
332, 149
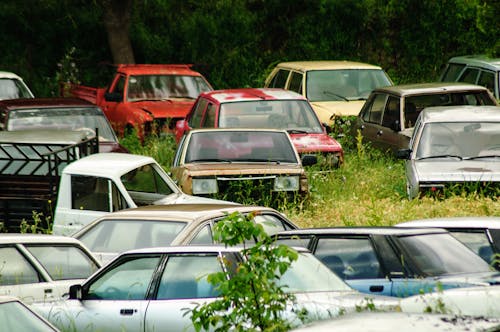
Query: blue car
394, 261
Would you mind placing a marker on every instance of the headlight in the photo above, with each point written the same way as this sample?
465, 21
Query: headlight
286, 183
205, 186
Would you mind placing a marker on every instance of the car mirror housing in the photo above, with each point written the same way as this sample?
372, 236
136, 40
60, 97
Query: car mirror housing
328, 128
309, 159
113, 96
403, 154
75, 292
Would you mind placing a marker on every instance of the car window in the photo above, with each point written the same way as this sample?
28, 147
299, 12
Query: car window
279, 80
120, 85
271, 223
349, 258
185, 277
204, 236
13, 89
145, 179
209, 120
487, 79
296, 82
391, 113
64, 262
17, 317
469, 75
129, 280
15, 269
374, 111
477, 241
92, 193
452, 72
195, 119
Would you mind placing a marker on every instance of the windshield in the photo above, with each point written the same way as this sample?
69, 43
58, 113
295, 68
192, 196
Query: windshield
440, 254
242, 146
13, 89
308, 274
276, 114
343, 84
467, 140
161, 87
77, 119
16, 317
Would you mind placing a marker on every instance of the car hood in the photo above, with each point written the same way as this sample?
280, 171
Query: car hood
325, 109
220, 168
315, 143
181, 198
166, 108
451, 170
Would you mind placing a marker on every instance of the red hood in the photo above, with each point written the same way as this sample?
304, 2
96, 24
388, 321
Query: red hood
315, 143
166, 109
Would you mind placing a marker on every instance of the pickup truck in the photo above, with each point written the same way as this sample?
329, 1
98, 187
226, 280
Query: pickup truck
149, 98
30, 166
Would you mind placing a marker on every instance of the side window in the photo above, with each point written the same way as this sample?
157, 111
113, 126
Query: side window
204, 236
271, 223
452, 72
185, 277
120, 85
15, 269
469, 75
349, 258
296, 82
279, 80
90, 193
391, 113
374, 113
209, 120
487, 79
195, 120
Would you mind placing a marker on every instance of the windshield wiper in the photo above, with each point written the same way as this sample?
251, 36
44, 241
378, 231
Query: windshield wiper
296, 131
210, 160
335, 95
481, 157
441, 156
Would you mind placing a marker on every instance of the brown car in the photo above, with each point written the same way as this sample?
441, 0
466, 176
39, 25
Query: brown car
387, 119
59, 114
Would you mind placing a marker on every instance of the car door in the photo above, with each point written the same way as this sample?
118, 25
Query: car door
370, 119
111, 107
183, 284
354, 259
114, 300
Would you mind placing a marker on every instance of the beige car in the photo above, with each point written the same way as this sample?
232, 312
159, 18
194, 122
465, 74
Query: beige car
334, 88
241, 165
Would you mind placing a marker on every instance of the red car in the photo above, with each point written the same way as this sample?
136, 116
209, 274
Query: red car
264, 108
59, 114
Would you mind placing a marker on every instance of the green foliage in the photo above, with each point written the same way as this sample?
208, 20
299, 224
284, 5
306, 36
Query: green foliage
39, 225
252, 299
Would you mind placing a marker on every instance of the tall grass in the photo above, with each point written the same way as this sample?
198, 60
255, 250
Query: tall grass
369, 189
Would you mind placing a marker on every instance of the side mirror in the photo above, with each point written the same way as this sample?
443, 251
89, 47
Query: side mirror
396, 126
75, 292
113, 96
403, 154
309, 159
328, 128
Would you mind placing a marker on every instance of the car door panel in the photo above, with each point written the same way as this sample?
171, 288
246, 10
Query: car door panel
379, 286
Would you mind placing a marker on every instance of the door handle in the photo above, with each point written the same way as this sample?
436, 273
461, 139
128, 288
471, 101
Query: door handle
376, 288
127, 312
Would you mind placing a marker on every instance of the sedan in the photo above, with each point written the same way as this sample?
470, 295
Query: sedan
59, 114
265, 108
17, 316
151, 289
481, 234
161, 225
241, 164
454, 150
394, 261
38, 267
388, 118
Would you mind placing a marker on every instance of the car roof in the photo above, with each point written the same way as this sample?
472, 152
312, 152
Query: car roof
183, 212
251, 130
158, 69
482, 61
428, 88
36, 238
44, 102
42, 136
251, 94
8, 74
108, 164
454, 222
385, 230
464, 113
215, 248
325, 65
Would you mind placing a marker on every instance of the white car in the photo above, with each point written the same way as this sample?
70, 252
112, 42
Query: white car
150, 290
12, 86
17, 316
36, 267
454, 149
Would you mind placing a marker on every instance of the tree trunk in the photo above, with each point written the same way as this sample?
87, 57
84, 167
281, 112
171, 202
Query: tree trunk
116, 18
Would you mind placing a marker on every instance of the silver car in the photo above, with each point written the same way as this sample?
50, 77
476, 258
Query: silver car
454, 149
150, 290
